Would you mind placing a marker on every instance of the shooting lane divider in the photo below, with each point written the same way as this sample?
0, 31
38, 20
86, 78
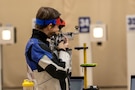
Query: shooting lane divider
85, 65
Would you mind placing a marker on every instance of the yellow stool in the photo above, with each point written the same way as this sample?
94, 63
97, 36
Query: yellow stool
28, 85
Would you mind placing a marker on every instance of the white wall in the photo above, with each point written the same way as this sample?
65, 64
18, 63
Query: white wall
130, 55
85, 38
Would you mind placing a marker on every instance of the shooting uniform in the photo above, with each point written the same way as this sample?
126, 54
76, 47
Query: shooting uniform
48, 71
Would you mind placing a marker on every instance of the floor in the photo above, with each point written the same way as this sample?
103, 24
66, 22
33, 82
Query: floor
99, 89
113, 89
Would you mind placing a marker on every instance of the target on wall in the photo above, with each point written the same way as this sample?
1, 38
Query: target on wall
84, 24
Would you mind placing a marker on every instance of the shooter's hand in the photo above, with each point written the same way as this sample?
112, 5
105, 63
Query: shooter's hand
63, 44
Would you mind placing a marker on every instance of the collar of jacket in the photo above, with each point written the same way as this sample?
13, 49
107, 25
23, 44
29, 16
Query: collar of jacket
39, 35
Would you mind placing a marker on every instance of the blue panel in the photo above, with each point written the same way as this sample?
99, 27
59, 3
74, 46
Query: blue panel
132, 83
76, 83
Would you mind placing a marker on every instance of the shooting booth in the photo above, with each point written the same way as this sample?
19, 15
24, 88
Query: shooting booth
7, 37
